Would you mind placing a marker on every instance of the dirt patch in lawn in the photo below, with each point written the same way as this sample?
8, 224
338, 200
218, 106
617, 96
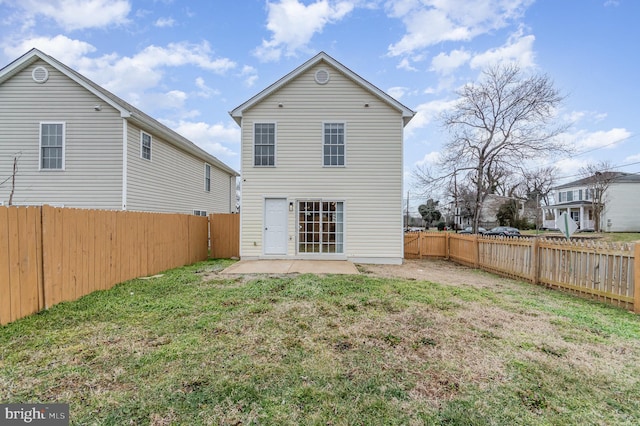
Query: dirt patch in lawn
436, 271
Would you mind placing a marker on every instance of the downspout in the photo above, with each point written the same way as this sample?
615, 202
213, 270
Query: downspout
124, 163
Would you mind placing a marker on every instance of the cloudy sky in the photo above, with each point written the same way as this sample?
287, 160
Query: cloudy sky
188, 63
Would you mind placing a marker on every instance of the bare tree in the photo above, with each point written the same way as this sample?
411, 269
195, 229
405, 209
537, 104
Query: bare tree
598, 177
495, 126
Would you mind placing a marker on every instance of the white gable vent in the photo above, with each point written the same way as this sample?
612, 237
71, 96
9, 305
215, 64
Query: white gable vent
322, 76
40, 74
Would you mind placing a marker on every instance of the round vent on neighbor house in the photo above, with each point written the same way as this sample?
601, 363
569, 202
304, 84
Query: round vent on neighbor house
40, 74
322, 76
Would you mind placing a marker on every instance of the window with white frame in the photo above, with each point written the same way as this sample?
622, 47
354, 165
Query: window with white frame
333, 144
264, 144
145, 146
200, 212
52, 139
207, 177
321, 227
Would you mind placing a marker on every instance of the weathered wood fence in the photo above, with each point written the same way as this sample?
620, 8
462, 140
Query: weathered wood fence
49, 255
603, 271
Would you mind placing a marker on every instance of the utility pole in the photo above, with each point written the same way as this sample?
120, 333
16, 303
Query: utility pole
456, 213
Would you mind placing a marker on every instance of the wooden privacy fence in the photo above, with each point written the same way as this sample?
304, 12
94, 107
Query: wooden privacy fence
50, 255
606, 272
225, 235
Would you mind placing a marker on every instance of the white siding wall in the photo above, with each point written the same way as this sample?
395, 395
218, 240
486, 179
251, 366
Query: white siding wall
622, 204
370, 185
93, 151
173, 181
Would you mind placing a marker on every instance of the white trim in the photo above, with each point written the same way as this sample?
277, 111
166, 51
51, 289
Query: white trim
125, 157
64, 146
42, 80
142, 133
318, 256
344, 124
264, 221
275, 143
407, 113
205, 177
377, 260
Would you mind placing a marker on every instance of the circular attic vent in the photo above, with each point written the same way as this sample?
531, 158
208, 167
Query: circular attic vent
322, 76
40, 74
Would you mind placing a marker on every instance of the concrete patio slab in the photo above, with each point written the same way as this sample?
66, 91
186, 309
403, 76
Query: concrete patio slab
292, 266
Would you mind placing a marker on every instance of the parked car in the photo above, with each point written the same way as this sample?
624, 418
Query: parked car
504, 231
469, 230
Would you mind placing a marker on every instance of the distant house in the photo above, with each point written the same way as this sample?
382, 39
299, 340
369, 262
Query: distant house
322, 167
489, 212
621, 203
75, 144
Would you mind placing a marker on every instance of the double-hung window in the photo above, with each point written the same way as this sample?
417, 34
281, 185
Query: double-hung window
145, 146
264, 144
207, 178
52, 146
333, 144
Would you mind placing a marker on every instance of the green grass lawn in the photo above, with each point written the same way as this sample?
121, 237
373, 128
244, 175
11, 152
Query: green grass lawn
193, 347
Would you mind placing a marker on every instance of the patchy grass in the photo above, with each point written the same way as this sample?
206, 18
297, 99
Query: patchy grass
194, 347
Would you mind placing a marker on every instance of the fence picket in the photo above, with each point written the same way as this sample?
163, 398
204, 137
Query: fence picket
603, 271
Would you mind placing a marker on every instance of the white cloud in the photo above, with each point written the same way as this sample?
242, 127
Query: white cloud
445, 63
406, 65
577, 116
78, 14
293, 24
519, 49
430, 159
250, 75
584, 140
205, 91
427, 113
209, 137
127, 76
632, 158
397, 92
429, 22
60, 47
165, 22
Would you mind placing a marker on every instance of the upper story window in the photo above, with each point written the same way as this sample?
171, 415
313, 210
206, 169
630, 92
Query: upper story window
264, 144
145, 146
333, 144
569, 195
207, 177
52, 139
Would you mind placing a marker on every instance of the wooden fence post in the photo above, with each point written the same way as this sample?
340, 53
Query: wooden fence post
535, 262
476, 251
446, 246
636, 279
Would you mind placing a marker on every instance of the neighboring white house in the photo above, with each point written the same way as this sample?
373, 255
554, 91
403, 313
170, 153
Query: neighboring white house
77, 145
322, 167
621, 203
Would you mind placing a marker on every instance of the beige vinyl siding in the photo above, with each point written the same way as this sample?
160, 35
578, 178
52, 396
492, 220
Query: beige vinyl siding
92, 175
622, 203
370, 184
173, 181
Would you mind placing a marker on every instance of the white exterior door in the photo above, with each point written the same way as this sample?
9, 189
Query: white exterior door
275, 226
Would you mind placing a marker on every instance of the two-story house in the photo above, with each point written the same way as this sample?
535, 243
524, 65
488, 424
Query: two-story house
619, 203
66, 141
322, 167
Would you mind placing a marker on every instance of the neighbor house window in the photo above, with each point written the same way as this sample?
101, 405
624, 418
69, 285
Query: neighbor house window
52, 146
264, 148
569, 195
145, 146
207, 177
333, 144
320, 227
200, 212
